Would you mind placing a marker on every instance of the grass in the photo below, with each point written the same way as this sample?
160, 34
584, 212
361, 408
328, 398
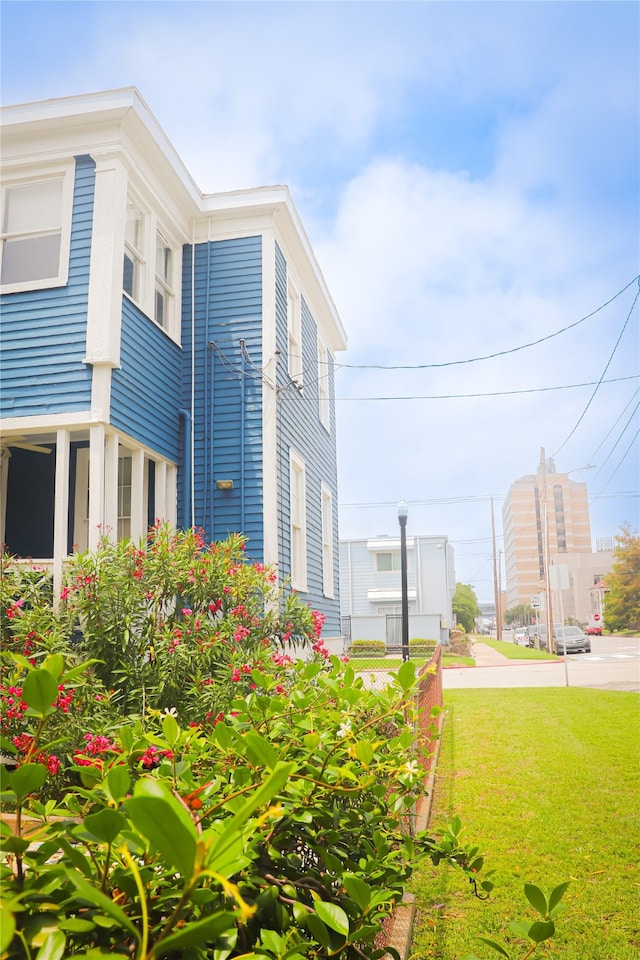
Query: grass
546, 782
513, 652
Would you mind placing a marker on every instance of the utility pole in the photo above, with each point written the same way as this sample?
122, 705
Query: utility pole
545, 552
496, 586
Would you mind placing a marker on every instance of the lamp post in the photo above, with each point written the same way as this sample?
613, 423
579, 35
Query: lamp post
403, 512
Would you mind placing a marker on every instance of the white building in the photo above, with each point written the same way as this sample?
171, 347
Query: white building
371, 590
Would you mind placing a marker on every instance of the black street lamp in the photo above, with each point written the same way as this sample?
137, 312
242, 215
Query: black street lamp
403, 512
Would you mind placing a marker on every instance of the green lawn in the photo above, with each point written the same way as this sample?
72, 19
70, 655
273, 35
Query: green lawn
547, 782
514, 652
392, 663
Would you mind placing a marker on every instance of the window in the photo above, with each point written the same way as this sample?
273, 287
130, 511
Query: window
298, 523
323, 384
386, 562
150, 283
327, 542
164, 281
36, 227
134, 245
294, 334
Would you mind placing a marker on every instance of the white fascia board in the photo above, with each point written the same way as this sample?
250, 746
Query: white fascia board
249, 207
389, 595
385, 544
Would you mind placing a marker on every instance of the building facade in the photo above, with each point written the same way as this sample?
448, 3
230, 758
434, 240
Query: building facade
165, 354
545, 518
371, 590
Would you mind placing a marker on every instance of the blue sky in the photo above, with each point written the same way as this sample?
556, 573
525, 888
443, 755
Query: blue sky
468, 173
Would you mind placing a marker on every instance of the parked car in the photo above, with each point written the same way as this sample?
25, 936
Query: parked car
571, 640
521, 637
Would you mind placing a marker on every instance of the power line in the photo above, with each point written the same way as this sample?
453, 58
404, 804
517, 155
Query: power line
495, 393
606, 367
489, 356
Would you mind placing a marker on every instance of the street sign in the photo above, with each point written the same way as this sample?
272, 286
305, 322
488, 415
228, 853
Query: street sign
535, 601
596, 617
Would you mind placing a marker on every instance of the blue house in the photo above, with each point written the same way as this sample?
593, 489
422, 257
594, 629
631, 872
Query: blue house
164, 353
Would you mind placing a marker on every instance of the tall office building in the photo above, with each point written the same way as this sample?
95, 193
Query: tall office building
544, 501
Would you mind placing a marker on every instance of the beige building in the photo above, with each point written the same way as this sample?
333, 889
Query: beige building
547, 514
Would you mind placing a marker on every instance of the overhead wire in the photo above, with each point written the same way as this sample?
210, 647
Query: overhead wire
590, 401
489, 356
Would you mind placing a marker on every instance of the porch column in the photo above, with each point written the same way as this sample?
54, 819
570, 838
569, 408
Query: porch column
60, 510
161, 491
138, 498
111, 487
96, 484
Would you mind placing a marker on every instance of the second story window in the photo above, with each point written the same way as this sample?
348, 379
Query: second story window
36, 229
386, 562
164, 282
298, 510
134, 253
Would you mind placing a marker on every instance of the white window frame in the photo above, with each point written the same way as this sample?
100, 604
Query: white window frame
294, 333
298, 521
164, 281
150, 280
326, 507
395, 556
65, 174
323, 385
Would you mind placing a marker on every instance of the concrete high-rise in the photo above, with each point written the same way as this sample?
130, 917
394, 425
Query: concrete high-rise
537, 505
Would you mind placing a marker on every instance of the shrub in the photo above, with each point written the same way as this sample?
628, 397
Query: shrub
368, 648
419, 647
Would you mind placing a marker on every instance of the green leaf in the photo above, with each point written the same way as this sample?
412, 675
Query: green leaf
259, 751
364, 751
165, 822
358, 890
520, 928
99, 899
53, 947
7, 929
495, 946
318, 930
536, 898
118, 782
39, 690
170, 729
406, 675
333, 916
557, 894
271, 786
55, 665
27, 779
311, 740
105, 825
541, 930
196, 934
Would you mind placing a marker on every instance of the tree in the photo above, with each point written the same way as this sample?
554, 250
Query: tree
465, 606
520, 615
622, 602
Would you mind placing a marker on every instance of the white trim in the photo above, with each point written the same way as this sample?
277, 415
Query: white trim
377, 596
270, 506
298, 531
324, 397
60, 508
327, 546
96, 484
104, 310
81, 493
111, 486
138, 499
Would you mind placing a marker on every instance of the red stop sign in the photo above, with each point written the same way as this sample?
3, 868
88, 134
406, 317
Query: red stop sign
596, 616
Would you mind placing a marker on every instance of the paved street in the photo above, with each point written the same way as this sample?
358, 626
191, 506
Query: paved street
613, 664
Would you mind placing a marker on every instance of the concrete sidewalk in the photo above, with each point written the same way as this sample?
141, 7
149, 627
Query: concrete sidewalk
486, 656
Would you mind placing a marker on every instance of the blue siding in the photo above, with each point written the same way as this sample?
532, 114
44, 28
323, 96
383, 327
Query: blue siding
145, 391
299, 427
227, 420
44, 331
